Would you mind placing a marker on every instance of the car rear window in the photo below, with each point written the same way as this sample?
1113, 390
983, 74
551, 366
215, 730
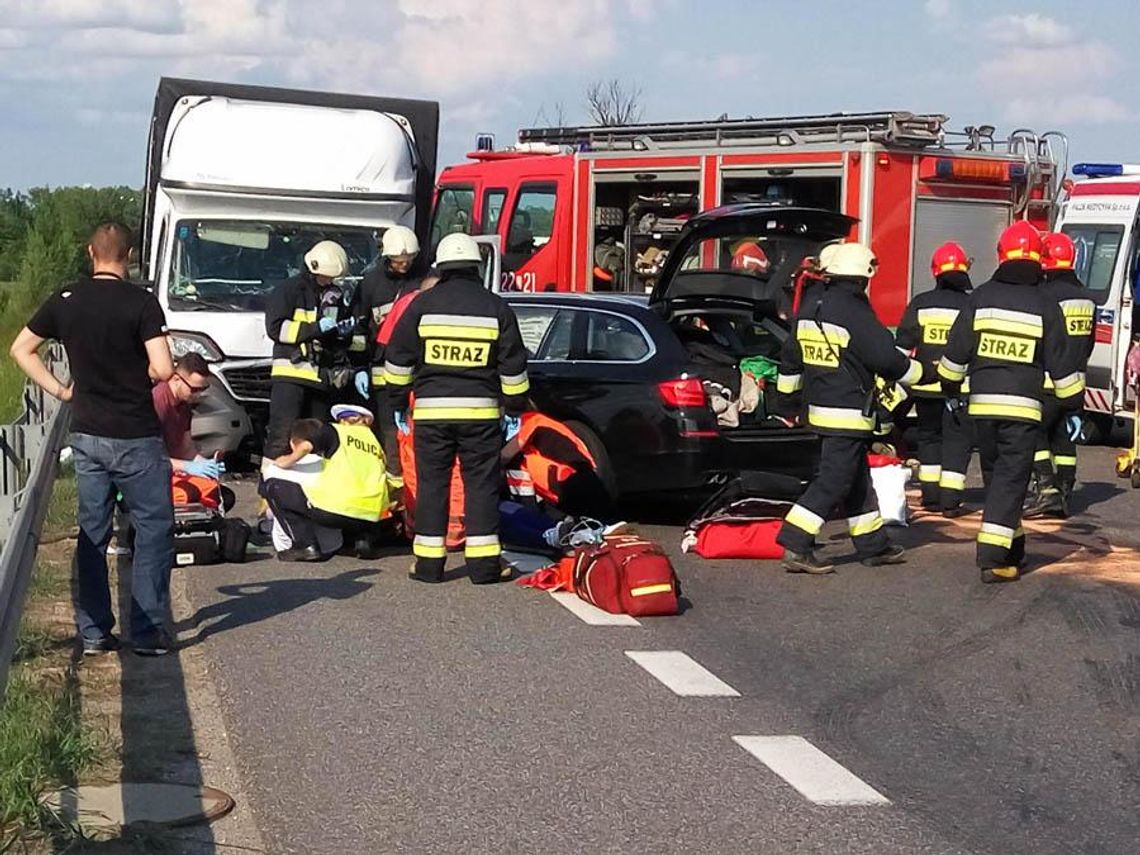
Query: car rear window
612, 338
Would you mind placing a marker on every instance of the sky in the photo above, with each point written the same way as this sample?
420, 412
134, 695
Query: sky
77, 77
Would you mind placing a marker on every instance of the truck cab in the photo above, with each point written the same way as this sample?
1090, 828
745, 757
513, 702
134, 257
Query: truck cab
1101, 215
241, 182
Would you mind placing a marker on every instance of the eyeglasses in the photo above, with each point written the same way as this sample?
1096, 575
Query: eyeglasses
197, 390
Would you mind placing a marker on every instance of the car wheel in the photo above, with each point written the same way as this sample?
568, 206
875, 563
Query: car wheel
601, 456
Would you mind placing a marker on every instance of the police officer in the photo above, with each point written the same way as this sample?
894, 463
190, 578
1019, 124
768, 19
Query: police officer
380, 288
944, 436
1055, 463
1004, 341
458, 348
311, 334
837, 350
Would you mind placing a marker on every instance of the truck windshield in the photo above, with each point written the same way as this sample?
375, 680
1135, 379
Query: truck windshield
233, 265
1097, 248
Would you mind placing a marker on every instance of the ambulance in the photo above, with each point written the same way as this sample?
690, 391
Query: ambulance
598, 208
1100, 214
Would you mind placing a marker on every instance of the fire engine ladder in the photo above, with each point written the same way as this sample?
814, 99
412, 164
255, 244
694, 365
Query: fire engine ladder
1046, 158
894, 128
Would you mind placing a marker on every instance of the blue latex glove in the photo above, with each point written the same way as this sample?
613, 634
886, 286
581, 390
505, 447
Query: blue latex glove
203, 468
344, 328
401, 420
511, 426
361, 381
326, 324
1074, 426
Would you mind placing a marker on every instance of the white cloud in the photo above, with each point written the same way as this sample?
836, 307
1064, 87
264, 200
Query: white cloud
1064, 66
157, 15
1082, 108
938, 9
1029, 30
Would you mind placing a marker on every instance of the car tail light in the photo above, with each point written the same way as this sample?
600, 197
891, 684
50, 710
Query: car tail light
683, 392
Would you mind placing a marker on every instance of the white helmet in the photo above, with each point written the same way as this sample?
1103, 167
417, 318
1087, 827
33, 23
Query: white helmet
457, 250
851, 259
826, 253
327, 258
399, 240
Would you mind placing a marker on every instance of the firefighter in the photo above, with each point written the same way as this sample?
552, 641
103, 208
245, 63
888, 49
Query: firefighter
393, 278
458, 348
944, 436
837, 350
1055, 462
311, 332
1003, 342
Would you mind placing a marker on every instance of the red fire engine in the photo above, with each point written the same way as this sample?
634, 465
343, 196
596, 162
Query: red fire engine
597, 208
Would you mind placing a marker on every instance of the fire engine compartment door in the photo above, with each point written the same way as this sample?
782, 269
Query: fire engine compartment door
800, 186
975, 225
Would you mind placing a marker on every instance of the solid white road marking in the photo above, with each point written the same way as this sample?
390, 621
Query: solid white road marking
682, 674
591, 614
817, 777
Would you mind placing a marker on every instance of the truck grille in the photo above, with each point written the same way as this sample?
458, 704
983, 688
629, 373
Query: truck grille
249, 383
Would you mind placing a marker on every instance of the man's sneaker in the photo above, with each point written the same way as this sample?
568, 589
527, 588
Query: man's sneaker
991, 575
153, 645
108, 643
893, 554
307, 553
805, 562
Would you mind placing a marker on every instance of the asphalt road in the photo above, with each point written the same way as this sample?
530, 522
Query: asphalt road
372, 714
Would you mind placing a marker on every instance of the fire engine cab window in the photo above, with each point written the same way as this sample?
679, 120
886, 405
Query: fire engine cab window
453, 210
492, 210
1097, 248
531, 225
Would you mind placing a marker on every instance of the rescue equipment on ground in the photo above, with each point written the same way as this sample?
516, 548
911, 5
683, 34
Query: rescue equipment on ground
202, 533
742, 519
889, 477
627, 575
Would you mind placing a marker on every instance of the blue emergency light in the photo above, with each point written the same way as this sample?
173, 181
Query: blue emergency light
1098, 170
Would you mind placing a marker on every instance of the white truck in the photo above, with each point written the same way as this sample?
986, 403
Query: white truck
1101, 214
241, 181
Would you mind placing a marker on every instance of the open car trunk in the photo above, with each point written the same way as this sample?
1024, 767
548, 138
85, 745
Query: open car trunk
727, 291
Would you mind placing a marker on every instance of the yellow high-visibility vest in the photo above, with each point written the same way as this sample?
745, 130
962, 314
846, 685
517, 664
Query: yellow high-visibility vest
353, 482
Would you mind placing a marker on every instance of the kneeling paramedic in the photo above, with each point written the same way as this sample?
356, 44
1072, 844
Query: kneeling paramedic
458, 348
838, 349
310, 343
944, 434
1003, 343
1055, 462
348, 494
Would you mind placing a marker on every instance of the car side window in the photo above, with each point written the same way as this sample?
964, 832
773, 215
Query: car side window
612, 338
545, 331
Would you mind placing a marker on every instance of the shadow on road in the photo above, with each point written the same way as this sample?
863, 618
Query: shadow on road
257, 601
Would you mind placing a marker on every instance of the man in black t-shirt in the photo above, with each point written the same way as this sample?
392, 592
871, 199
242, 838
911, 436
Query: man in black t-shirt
115, 336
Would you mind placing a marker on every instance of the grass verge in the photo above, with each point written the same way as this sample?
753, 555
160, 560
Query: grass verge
43, 741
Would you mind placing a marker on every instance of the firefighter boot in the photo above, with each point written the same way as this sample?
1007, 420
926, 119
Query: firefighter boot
805, 562
428, 570
991, 575
893, 554
1049, 502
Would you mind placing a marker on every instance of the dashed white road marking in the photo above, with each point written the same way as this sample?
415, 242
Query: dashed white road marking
591, 614
682, 674
817, 777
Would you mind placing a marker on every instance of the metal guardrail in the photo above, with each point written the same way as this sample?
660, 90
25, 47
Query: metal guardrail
30, 459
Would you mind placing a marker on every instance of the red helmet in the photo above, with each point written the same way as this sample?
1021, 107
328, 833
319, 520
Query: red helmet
1059, 252
948, 258
748, 257
1019, 242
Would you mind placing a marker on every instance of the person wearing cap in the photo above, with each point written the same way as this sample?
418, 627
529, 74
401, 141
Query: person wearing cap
311, 330
944, 435
837, 349
458, 348
347, 492
1004, 340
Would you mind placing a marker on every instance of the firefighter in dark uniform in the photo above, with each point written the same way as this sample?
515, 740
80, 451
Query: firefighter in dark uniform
380, 288
837, 351
1003, 342
1055, 463
312, 332
458, 348
944, 435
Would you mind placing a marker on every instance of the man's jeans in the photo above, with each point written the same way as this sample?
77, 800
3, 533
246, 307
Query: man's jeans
140, 470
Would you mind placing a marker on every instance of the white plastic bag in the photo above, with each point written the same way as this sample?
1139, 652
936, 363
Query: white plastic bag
890, 488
